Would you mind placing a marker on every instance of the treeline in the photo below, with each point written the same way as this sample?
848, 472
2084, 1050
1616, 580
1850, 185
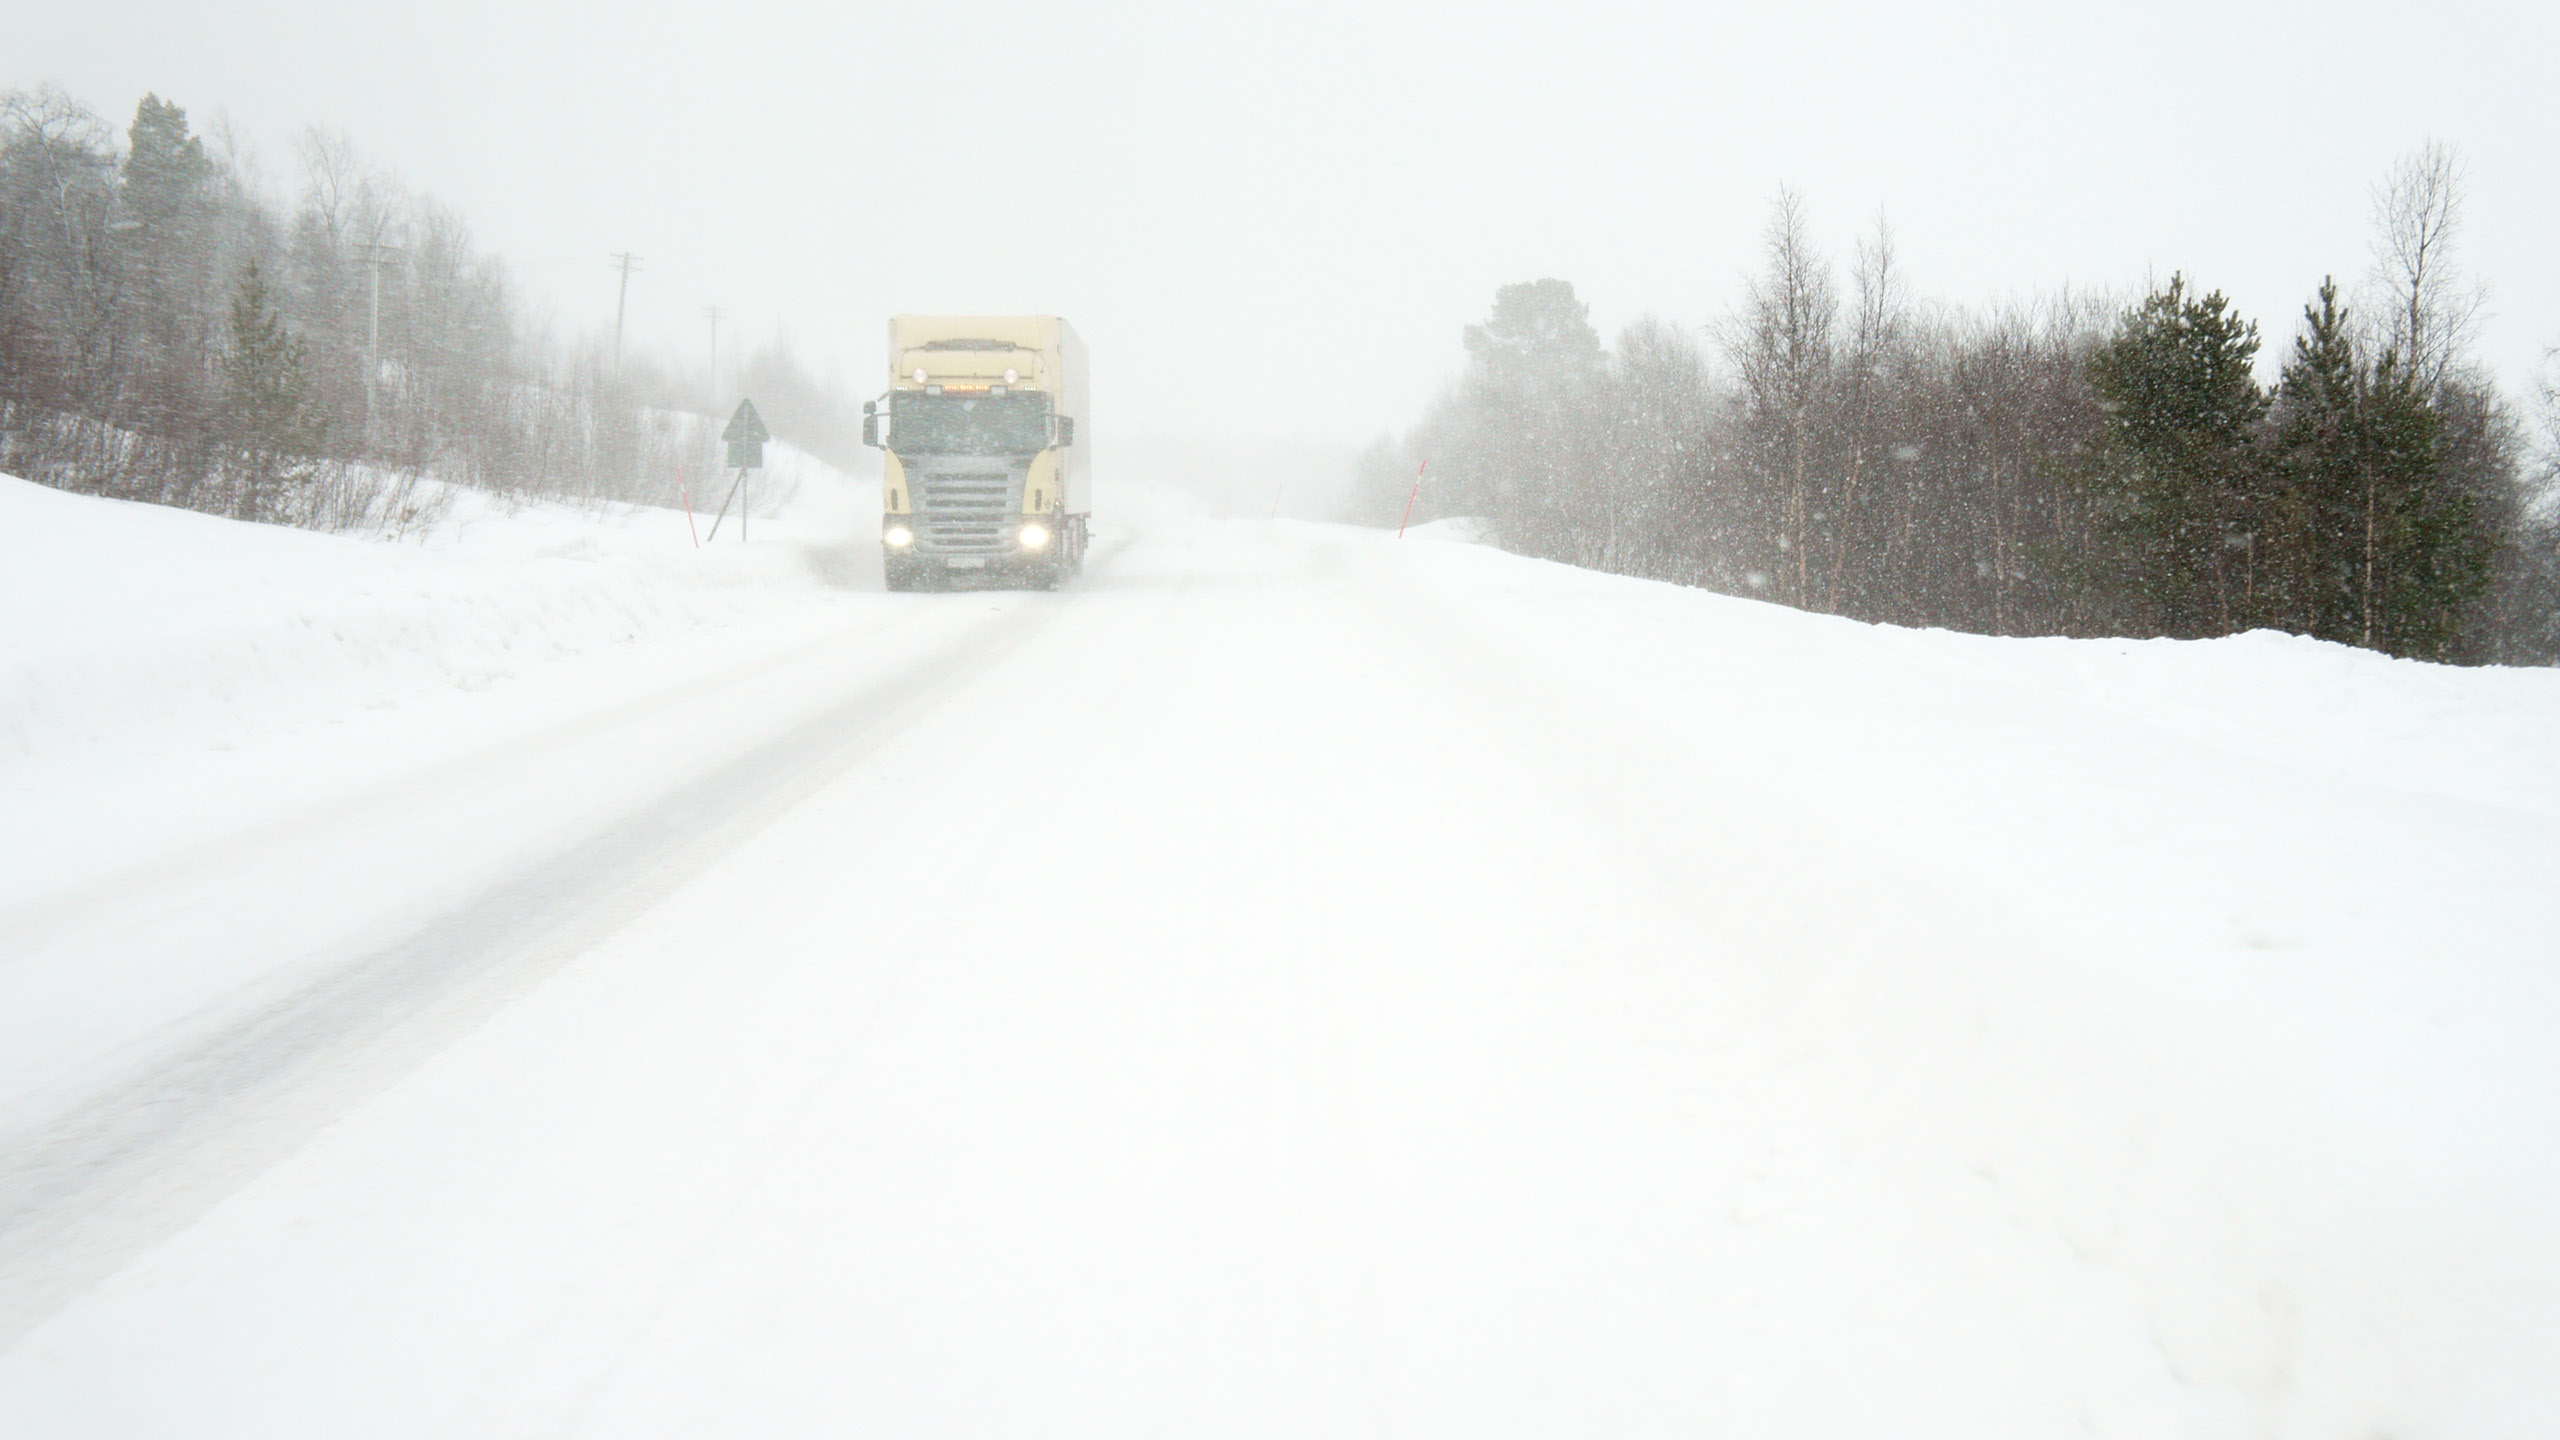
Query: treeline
2079, 466
169, 333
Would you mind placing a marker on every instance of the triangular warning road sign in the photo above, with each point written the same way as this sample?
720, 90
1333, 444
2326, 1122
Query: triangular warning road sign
746, 427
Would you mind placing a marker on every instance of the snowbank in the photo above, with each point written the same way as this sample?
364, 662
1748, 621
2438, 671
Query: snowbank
1454, 529
2490, 735
127, 618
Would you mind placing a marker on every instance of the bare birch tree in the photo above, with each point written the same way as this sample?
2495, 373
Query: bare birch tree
2429, 312
1656, 511
1780, 346
1878, 330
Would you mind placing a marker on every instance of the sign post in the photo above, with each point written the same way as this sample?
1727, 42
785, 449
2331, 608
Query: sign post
746, 435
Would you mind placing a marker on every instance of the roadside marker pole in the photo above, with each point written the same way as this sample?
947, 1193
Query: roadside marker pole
687, 497
1409, 499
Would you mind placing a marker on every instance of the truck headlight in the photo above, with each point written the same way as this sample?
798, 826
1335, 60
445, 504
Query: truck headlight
1034, 537
899, 536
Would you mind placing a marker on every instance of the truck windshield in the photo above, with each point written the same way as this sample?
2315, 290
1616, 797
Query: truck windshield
968, 424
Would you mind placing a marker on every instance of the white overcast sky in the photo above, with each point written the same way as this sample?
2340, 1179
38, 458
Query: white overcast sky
1274, 220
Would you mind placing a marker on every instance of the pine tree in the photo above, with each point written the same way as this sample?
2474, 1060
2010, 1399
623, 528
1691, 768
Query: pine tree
2378, 543
2176, 477
2314, 532
1533, 364
166, 164
2424, 563
269, 414
174, 305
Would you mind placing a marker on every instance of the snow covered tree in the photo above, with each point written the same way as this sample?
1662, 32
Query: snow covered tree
1875, 340
2433, 476
1539, 334
2388, 496
58, 293
1780, 346
1522, 427
165, 165
2310, 543
1653, 506
2175, 471
2522, 622
166, 241
2403, 577
269, 413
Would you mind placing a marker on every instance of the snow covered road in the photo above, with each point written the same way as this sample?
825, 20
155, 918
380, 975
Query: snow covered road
250, 1071
1298, 983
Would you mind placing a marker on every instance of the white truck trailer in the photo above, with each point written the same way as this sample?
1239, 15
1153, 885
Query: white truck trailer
985, 480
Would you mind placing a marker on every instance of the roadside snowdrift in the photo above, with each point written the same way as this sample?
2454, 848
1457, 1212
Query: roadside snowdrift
126, 617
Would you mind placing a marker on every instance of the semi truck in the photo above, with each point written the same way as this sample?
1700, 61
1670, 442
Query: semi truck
984, 480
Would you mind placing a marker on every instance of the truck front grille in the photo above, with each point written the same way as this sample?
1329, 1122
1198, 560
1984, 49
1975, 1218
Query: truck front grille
963, 512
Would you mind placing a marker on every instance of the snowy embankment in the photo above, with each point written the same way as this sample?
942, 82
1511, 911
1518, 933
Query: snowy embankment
140, 634
1294, 982
124, 617
220, 742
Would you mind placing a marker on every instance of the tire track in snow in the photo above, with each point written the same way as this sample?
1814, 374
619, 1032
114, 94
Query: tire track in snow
39, 920
87, 1191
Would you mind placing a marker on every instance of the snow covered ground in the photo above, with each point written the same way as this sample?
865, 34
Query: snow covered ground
557, 981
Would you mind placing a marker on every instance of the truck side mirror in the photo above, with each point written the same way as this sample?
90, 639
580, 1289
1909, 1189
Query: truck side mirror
1066, 429
870, 428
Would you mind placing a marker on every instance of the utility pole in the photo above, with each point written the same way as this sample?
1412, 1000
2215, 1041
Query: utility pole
375, 255
714, 312
628, 262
